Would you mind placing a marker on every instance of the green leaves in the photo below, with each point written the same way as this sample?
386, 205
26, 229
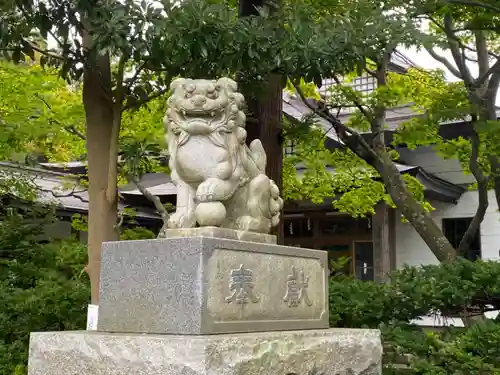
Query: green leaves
324, 173
354, 185
39, 113
440, 102
456, 289
199, 39
42, 286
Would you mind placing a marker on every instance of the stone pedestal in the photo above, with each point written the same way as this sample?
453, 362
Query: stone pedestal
163, 301
202, 285
330, 352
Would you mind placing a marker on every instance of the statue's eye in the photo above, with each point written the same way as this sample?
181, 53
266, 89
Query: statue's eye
190, 88
187, 95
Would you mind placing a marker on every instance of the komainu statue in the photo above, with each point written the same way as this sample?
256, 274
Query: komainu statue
220, 180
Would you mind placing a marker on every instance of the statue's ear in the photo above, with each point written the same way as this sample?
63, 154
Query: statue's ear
228, 84
176, 83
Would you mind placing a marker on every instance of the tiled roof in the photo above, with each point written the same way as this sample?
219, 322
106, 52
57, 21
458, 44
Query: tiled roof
61, 190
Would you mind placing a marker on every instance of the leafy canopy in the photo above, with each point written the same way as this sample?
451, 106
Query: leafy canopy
158, 41
39, 113
42, 285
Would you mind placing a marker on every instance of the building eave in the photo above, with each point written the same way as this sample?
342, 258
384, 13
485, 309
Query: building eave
438, 189
296, 110
52, 190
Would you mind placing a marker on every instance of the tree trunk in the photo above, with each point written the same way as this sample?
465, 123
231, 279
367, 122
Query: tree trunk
422, 221
495, 170
482, 191
268, 127
265, 120
102, 127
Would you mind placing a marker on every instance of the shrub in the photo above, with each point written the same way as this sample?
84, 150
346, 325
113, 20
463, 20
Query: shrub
42, 286
464, 289
474, 351
136, 233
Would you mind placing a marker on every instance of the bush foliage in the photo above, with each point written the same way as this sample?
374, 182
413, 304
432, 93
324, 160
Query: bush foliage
42, 286
463, 289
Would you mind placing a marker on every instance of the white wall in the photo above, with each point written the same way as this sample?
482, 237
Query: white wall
427, 158
411, 250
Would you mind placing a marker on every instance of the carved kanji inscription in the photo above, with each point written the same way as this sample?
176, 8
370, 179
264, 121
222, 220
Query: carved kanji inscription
241, 286
296, 288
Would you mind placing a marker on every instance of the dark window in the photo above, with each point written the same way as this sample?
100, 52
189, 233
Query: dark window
300, 227
363, 253
454, 230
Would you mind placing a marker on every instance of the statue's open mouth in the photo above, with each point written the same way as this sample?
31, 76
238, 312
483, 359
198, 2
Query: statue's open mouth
199, 115
203, 113
201, 123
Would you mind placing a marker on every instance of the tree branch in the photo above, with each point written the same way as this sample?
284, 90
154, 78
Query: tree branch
73, 130
119, 91
130, 81
138, 103
61, 44
474, 3
458, 56
492, 90
121, 219
357, 104
70, 128
378, 121
495, 174
482, 53
343, 131
43, 51
443, 60
152, 198
482, 189
457, 39
483, 78
485, 71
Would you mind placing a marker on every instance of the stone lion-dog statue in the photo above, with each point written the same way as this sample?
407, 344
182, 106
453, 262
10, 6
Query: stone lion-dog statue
220, 180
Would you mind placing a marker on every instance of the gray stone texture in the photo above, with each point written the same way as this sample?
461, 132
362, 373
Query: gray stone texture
331, 352
217, 232
183, 286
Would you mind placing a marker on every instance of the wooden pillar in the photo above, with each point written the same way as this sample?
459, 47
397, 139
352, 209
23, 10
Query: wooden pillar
383, 235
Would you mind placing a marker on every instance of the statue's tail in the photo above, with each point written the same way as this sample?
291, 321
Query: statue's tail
258, 155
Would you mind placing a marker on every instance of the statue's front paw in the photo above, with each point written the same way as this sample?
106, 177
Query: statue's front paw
214, 189
181, 219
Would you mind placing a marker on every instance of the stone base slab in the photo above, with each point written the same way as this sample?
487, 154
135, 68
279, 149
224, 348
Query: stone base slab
330, 352
217, 232
205, 285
